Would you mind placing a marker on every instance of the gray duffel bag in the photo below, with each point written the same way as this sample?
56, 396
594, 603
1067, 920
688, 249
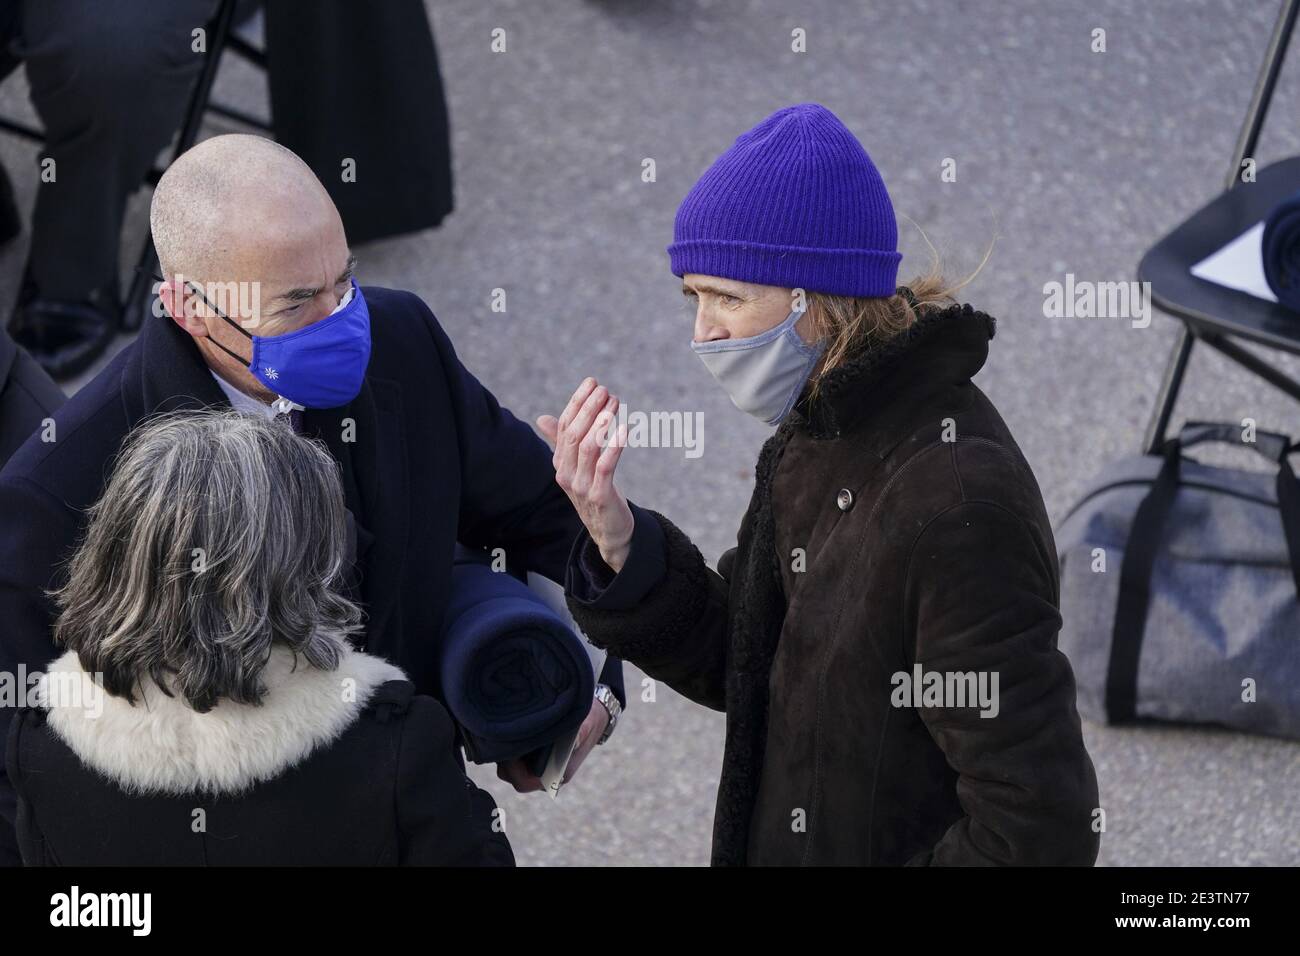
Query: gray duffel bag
1179, 586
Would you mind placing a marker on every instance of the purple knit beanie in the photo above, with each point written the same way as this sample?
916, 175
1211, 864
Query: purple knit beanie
795, 202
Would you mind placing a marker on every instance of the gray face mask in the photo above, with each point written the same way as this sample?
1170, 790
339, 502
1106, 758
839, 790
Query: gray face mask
764, 374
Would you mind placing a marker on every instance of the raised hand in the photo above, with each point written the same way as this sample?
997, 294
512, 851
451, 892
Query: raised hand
586, 454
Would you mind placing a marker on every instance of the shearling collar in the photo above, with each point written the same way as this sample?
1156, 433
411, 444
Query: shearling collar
161, 744
942, 346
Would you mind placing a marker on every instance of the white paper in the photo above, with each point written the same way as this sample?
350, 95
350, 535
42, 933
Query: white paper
1239, 265
562, 750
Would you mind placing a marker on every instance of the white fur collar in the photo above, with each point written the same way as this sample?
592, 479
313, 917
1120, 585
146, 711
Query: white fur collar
161, 744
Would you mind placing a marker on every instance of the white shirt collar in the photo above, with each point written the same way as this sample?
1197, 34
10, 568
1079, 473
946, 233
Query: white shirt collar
247, 403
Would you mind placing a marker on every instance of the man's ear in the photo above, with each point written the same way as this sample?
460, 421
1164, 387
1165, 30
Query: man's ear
176, 300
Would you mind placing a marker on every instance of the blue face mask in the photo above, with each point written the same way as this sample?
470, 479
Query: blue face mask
765, 373
319, 366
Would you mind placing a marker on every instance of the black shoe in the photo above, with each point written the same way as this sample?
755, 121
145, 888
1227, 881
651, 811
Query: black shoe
65, 337
11, 223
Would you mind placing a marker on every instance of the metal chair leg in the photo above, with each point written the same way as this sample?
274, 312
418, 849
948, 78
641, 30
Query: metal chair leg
1251, 362
133, 308
1247, 139
1167, 397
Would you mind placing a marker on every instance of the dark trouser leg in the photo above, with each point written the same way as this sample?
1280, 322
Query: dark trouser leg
10, 224
10, 18
110, 82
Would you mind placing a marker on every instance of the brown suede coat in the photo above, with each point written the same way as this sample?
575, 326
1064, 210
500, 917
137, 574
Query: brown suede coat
894, 523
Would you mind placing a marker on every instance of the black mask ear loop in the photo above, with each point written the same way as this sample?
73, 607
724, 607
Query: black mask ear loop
238, 328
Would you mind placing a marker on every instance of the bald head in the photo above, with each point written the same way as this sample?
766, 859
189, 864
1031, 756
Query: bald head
226, 198
248, 217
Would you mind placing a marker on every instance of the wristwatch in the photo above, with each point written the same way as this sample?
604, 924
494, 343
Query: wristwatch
611, 704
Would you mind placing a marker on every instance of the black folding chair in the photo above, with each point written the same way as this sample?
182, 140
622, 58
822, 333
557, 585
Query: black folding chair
1214, 314
219, 38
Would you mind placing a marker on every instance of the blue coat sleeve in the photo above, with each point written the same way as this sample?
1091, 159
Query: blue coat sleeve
591, 583
509, 498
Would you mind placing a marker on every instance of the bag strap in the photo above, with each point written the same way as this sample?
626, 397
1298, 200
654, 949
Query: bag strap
1288, 501
1143, 545
1135, 589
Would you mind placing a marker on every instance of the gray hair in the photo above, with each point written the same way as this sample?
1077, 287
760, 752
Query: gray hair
219, 534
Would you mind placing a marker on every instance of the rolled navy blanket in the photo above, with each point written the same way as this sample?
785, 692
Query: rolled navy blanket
1281, 252
513, 674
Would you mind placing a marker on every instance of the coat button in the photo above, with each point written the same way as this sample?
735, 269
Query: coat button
844, 499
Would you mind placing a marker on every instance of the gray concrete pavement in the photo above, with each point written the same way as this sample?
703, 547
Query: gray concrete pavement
1067, 160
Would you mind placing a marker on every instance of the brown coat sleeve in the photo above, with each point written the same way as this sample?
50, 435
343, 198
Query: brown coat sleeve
677, 632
